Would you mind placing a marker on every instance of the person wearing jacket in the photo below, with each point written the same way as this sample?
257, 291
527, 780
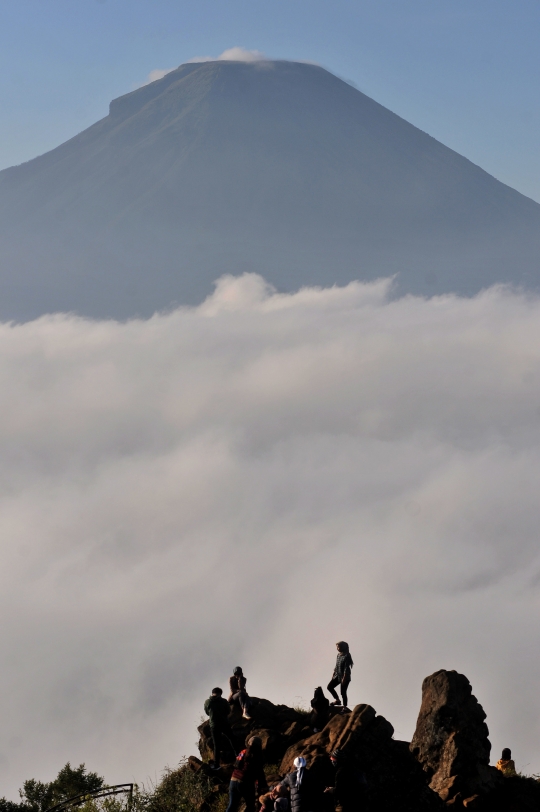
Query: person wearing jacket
342, 673
248, 778
300, 786
238, 693
320, 710
217, 709
349, 788
506, 763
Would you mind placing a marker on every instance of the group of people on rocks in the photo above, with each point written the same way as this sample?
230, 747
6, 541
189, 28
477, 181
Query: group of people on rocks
297, 792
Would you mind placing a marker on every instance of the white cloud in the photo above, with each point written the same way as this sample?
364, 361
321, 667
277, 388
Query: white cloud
236, 54
157, 73
248, 482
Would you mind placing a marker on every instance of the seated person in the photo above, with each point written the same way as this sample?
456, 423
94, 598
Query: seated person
237, 684
321, 710
505, 764
269, 800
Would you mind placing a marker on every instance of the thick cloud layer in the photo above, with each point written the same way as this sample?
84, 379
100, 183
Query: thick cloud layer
247, 482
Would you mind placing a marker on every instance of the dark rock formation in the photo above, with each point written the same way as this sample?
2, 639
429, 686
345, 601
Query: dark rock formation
277, 725
366, 740
395, 780
451, 740
446, 764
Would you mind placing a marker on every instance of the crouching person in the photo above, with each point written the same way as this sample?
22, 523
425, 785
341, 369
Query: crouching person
248, 778
276, 799
506, 763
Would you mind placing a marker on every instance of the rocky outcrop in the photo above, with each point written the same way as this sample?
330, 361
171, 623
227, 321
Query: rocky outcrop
394, 779
445, 765
277, 725
451, 741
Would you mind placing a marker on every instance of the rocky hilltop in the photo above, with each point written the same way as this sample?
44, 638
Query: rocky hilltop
445, 766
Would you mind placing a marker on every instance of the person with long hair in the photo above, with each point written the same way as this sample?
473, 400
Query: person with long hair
342, 673
320, 710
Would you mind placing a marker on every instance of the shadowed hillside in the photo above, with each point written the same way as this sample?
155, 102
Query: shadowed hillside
274, 167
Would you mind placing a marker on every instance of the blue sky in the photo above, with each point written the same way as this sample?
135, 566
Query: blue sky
466, 71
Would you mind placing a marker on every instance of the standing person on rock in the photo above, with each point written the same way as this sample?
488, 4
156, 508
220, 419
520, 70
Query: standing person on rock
342, 673
237, 684
248, 779
217, 709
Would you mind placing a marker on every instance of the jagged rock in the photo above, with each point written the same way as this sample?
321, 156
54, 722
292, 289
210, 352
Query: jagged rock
451, 741
277, 725
446, 765
394, 780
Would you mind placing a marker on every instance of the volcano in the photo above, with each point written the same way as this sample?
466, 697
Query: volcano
280, 168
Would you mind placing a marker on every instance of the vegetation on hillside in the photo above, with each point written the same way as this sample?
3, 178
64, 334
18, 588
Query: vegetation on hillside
37, 796
179, 790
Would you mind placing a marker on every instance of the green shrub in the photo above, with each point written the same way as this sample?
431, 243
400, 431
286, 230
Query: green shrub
179, 790
37, 796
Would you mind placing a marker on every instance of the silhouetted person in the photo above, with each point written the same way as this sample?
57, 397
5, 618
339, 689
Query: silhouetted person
237, 684
349, 790
320, 710
248, 777
342, 673
217, 708
506, 764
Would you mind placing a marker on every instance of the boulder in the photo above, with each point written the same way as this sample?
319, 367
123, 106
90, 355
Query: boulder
394, 780
451, 741
277, 725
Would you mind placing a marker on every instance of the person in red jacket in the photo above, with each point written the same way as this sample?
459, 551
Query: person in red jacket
248, 778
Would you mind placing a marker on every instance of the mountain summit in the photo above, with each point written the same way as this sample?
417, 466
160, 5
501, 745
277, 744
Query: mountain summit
275, 167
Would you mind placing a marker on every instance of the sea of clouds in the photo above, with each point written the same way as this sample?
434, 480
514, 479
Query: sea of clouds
247, 482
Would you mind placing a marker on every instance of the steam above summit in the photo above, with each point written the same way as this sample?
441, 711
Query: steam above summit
274, 167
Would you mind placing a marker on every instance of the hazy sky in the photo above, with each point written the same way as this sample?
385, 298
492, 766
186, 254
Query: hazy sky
247, 482
466, 71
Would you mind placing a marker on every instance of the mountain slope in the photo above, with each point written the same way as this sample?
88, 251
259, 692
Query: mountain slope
279, 168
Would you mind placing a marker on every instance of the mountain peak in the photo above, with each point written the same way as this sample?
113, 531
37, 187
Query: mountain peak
271, 166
